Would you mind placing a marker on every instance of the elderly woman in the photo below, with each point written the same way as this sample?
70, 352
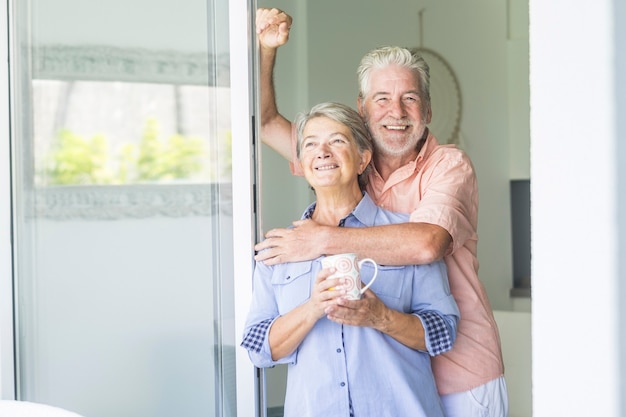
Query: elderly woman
362, 358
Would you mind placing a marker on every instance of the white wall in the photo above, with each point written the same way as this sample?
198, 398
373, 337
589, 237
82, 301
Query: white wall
577, 104
485, 43
516, 351
284, 197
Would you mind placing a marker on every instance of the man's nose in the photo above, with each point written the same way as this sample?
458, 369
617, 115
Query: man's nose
397, 109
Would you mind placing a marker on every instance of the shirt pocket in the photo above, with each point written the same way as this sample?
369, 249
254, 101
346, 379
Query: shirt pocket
390, 284
292, 285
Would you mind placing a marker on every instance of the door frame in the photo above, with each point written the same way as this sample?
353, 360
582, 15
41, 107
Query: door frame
245, 215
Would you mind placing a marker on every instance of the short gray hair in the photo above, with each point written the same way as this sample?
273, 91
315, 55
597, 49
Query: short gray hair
395, 55
348, 117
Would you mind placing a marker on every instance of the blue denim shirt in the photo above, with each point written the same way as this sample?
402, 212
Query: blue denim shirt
347, 370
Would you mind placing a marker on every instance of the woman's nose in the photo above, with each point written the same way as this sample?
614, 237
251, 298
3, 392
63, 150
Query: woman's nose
323, 151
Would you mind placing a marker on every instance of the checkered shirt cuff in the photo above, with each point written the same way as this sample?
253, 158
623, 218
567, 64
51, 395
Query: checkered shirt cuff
253, 341
437, 333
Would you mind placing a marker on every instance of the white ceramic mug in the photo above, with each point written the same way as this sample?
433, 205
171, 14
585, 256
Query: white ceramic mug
347, 267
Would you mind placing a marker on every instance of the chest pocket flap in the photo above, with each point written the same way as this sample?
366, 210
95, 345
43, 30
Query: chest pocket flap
292, 284
390, 282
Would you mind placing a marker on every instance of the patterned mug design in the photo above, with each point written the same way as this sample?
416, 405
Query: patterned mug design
347, 267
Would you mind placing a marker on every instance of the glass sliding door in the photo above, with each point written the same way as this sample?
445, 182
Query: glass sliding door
123, 214
7, 385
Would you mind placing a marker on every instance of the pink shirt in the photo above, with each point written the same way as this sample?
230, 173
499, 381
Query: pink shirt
440, 188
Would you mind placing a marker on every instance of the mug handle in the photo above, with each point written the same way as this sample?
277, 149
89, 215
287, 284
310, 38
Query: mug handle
361, 262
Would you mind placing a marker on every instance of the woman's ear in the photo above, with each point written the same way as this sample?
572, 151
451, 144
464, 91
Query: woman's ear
366, 158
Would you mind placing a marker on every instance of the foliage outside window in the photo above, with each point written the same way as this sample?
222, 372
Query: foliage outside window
110, 133
79, 160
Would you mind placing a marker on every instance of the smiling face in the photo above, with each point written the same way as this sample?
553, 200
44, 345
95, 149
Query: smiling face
329, 155
393, 111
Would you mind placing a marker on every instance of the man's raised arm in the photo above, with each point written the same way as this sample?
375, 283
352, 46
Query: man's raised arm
272, 27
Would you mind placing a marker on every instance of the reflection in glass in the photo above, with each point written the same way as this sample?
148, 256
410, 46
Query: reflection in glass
103, 132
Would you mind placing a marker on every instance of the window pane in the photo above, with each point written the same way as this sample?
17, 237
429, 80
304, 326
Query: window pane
123, 207
112, 132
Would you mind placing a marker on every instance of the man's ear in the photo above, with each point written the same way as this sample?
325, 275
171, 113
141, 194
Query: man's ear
359, 105
430, 115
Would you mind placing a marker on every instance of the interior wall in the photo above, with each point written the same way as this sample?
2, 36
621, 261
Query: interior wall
284, 196
578, 219
485, 43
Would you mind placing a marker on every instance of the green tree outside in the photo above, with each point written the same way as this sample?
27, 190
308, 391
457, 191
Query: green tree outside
78, 160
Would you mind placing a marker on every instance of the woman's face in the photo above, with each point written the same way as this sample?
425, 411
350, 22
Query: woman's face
329, 155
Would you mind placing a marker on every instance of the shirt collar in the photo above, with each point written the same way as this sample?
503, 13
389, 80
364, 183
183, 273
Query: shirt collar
364, 212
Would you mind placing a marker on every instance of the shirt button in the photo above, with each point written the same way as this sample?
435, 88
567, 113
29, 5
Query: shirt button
338, 350
343, 384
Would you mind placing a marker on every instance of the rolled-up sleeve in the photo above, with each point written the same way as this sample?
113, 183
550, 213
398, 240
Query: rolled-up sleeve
435, 306
263, 312
440, 332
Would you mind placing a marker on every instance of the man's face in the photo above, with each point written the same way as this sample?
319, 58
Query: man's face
393, 111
